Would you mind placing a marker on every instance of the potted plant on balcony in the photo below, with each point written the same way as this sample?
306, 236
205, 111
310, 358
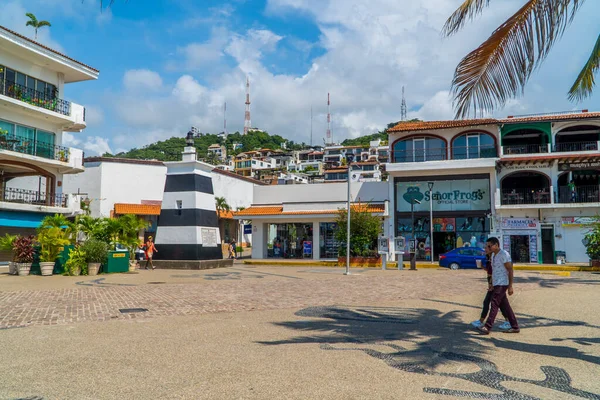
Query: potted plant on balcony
23, 254
96, 252
51, 240
77, 262
62, 155
6, 244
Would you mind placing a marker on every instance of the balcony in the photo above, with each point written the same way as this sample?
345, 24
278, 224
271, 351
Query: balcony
575, 146
518, 149
32, 197
421, 155
473, 152
35, 98
581, 194
525, 196
34, 148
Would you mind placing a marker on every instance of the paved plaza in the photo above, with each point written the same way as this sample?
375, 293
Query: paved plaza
295, 332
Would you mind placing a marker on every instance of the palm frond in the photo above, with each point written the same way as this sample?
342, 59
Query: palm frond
43, 23
585, 82
468, 10
30, 23
33, 19
501, 66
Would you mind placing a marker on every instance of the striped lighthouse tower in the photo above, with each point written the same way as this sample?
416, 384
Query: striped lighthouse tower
188, 226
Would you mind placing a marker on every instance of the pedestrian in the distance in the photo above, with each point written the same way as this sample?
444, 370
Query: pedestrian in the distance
232, 249
488, 296
502, 281
150, 250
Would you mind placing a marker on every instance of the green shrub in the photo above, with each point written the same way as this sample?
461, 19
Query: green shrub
77, 259
95, 251
364, 230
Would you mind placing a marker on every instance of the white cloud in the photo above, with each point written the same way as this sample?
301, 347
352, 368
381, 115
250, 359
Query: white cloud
142, 79
93, 116
250, 47
96, 145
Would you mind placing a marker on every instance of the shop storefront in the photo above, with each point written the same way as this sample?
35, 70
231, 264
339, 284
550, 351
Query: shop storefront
520, 238
292, 240
460, 206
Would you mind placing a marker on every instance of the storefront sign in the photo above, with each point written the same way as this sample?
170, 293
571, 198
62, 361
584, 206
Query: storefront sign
456, 195
247, 229
307, 248
519, 223
444, 224
519, 167
577, 221
578, 166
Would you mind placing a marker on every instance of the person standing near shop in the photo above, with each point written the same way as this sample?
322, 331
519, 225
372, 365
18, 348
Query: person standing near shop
573, 191
150, 250
502, 281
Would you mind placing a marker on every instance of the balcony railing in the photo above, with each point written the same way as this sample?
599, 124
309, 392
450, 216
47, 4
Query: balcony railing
470, 152
581, 194
576, 146
33, 197
525, 149
34, 148
438, 154
526, 196
33, 97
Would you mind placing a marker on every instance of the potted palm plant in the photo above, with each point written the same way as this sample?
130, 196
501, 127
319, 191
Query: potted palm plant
77, 262
23, 254
6, 244
95, 254
51, 240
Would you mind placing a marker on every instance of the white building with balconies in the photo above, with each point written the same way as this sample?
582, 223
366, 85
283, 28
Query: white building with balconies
33, 116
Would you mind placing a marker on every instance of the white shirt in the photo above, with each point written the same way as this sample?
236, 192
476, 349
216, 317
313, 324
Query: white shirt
499, 271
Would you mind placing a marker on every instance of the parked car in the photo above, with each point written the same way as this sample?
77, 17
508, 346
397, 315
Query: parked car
463, 257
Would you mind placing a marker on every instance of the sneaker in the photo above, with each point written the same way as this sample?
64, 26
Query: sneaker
483, 330
477, 324
505, 326
512, 330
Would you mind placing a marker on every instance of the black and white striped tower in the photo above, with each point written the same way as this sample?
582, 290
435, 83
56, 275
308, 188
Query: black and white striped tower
188, 226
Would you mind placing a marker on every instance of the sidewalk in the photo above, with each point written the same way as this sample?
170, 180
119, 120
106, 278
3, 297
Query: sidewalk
574, 267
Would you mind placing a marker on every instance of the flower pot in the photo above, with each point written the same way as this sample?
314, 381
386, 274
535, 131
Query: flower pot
46, 268
24, 268
12, 268
132, 266
77, 271
93, 268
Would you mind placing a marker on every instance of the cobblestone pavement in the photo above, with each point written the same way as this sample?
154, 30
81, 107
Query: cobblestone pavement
165, 293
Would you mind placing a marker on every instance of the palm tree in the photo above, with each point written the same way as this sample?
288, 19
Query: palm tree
222, 206
35, 23
501, 66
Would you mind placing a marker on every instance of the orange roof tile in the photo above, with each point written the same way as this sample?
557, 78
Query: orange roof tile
47, 48
137, 209
555, 117
278, 210
433, 125
225, 214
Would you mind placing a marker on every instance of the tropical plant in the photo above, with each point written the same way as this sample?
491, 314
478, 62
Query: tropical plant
77, 261
501, 66
129, 234
33, 21
23, 250
51, 241
591, 239
95, 251
60, 221
7, 241
221, 205
364, 230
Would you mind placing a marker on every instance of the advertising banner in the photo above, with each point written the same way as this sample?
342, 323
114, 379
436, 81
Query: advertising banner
519, 223
457, 195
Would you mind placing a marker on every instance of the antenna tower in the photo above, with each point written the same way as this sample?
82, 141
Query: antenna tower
225, 119
311, 131
247, 123
328, 121
403, 107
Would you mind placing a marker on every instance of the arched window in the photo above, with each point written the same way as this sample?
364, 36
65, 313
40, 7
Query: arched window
418, 149
525, 187
577, 138
473, 145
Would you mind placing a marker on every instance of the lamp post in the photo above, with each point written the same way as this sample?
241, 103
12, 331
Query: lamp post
430, 184
349, 158
413, 256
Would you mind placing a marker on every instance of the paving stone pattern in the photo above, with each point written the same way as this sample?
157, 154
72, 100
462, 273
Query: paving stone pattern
103, 302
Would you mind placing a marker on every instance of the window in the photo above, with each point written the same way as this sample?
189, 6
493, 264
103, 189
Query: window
473, 145
419, 149
28, 84
179, 207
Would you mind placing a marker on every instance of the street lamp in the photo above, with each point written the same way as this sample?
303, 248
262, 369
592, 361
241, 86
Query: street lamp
413, 258
430, 184
349, 159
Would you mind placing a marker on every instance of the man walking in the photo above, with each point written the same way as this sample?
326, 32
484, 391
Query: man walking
502, 280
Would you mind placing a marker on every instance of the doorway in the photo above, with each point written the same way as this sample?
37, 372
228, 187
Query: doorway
548, 244
519, 248
442, 243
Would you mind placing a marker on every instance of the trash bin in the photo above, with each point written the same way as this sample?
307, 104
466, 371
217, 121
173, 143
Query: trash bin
561, 257
118, 261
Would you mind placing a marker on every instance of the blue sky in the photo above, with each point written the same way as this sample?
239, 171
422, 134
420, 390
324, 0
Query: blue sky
168, 65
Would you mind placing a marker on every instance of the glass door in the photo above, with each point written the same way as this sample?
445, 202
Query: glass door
472, 146
419, 146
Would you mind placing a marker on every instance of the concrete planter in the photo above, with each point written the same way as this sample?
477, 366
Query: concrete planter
12, 268
93, 268
361, 261
132, 266
46, 268
23, 268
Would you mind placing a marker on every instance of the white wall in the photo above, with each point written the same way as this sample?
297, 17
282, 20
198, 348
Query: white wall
27, 67
237, 192
86, 182
320, 193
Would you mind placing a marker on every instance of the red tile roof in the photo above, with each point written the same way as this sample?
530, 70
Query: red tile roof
556, 117
137, 209
433, 125
278, 210
47, 48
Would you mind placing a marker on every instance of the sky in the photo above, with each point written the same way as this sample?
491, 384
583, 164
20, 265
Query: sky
168, 65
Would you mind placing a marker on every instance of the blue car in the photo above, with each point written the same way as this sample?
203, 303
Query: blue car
463, 257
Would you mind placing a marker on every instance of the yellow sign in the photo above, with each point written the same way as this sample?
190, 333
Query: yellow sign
119, 255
